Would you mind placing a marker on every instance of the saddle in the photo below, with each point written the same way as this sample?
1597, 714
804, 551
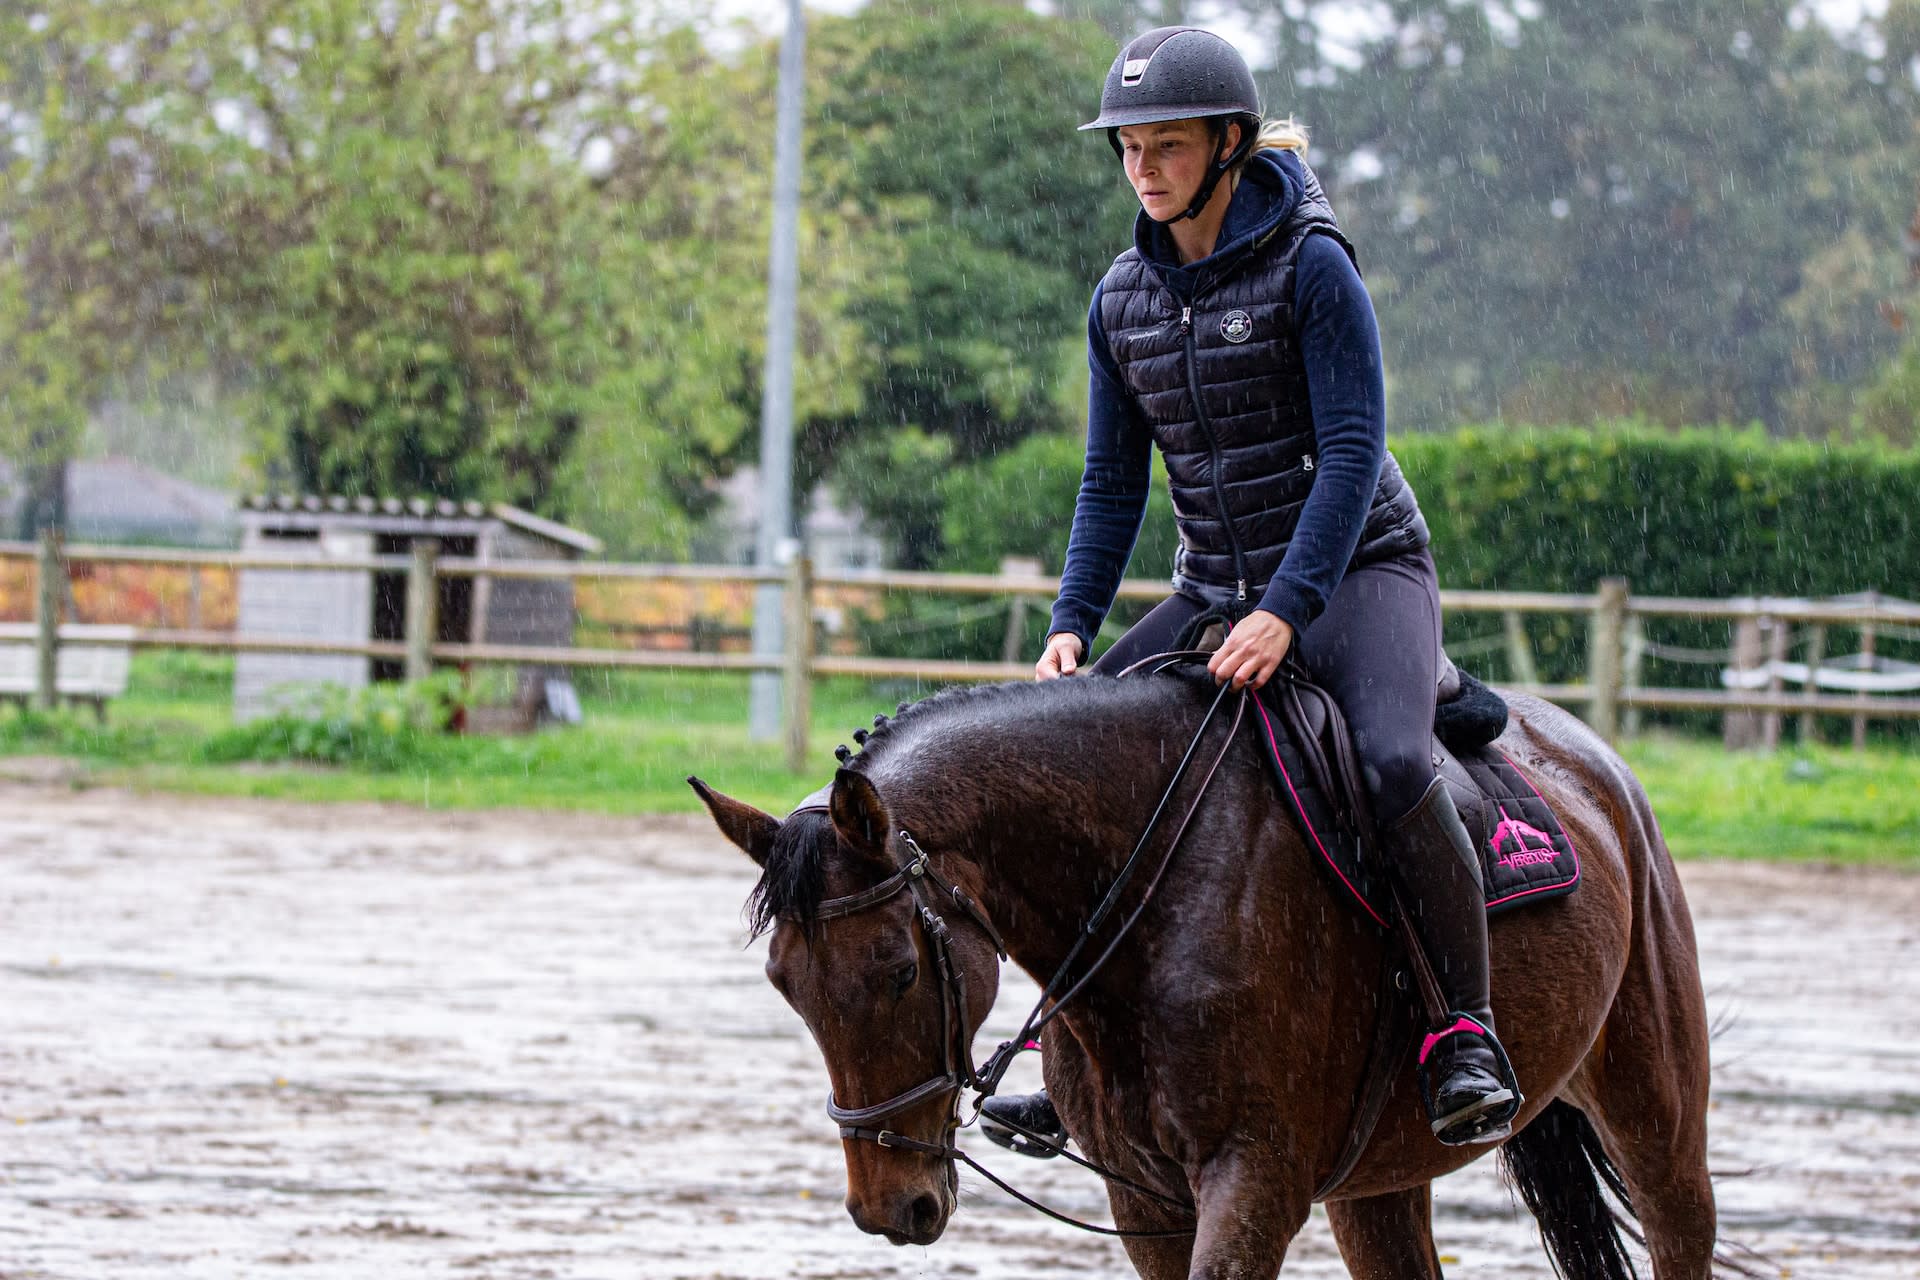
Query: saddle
1525, 853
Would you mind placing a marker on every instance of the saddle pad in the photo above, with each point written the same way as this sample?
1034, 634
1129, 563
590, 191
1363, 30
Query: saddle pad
1525, 854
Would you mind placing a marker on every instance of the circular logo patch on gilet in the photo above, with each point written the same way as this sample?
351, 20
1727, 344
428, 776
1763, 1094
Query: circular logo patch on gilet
1236, 326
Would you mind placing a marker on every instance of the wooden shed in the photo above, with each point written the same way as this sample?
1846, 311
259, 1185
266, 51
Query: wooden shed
357, 605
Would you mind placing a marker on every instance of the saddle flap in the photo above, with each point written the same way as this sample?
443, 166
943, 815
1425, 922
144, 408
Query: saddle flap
1525, 853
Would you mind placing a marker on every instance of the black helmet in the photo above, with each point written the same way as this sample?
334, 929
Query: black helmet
1182, 73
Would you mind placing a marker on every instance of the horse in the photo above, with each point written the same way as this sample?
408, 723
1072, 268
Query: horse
1212, 1063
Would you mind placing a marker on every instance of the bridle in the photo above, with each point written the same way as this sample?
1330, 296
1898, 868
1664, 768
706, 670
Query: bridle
958, 1072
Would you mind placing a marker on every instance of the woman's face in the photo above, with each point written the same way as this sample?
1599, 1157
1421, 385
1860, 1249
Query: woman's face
1166, 162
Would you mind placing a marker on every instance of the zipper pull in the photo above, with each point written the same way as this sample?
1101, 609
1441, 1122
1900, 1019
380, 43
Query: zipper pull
1306, 462
1186, 319
1241, 596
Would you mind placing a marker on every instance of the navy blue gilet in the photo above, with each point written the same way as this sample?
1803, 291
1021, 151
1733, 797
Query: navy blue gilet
1212, 358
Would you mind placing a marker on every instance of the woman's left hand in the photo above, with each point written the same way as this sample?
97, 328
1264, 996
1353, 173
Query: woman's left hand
1252, 651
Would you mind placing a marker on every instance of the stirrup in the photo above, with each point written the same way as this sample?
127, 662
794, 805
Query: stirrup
1488, 1118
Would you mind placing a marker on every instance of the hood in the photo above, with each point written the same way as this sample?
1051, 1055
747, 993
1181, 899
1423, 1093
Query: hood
1274, 186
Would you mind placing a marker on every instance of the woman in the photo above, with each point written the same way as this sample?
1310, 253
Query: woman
1237, 337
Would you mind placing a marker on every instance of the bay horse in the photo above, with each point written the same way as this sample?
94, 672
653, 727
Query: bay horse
1214, 1060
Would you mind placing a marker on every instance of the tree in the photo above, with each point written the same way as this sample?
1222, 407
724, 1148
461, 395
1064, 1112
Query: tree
991, 220
1676, 209
442, 248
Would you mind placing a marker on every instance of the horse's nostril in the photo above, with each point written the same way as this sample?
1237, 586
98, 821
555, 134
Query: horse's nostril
926, 1214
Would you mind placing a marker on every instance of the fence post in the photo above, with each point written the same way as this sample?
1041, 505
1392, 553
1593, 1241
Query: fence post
1739, 729
1520, 666
797, 677
423, 608
1013, 645
1816, 654
1636, 642
49, 590
1869, 636
1777, 636
1603, 659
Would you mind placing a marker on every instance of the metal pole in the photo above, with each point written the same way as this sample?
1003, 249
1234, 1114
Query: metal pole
50, 589
776, 397
423, 609
799, 671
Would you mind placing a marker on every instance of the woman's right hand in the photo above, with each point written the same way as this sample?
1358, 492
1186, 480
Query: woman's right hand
1061, 658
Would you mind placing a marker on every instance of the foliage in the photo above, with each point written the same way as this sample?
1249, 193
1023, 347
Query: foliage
1705, 513
1690, 211
992, 218
378, 726
1690, 513
471, 250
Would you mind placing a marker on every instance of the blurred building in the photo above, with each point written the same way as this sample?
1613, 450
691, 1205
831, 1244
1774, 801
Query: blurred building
836, 537
119, 500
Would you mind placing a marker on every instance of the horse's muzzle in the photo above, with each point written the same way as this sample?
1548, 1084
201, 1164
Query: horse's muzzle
907, 1218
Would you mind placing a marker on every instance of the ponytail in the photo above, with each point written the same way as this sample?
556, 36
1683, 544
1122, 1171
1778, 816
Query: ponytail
1282, 135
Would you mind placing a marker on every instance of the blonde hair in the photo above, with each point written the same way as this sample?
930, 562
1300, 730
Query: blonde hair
1282, 135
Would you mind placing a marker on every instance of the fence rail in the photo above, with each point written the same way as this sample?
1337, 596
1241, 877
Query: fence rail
1610, 694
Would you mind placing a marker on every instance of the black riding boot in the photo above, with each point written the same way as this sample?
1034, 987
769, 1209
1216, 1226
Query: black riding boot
1039, 1133
1466, 1080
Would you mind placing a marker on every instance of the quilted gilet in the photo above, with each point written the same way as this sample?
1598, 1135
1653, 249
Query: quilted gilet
1239, 469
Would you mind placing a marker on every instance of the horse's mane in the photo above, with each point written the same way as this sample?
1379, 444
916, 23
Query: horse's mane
793, 882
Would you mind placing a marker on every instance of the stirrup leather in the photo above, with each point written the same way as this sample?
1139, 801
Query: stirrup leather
1488, 1119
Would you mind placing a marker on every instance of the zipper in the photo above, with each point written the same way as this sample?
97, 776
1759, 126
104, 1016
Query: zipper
1213, 449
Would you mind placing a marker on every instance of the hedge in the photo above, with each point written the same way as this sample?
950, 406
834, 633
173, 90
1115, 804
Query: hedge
1712, 513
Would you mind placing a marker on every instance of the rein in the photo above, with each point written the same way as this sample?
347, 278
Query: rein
958, 1072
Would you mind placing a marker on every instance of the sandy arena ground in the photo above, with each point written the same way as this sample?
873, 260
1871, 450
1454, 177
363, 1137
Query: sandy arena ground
249, 1039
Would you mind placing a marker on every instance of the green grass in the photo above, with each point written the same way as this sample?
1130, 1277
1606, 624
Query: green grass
1813, 804
645, 732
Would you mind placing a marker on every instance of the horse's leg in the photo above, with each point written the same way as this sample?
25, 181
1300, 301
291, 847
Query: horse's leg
1168, 1259
1643, 1086
1387, 1237
1250, 1205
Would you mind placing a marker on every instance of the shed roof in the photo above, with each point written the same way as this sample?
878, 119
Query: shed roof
410, 515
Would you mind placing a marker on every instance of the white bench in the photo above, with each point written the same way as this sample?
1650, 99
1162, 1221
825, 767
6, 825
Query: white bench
93, 663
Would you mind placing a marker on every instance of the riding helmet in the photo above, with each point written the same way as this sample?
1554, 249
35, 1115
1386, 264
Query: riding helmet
1182, 73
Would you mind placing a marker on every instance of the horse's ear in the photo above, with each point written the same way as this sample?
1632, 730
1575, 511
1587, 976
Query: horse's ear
858, 813
740, 822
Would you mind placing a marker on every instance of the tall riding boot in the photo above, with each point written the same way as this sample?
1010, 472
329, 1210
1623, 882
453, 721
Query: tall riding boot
1466, 1080
1024, 1122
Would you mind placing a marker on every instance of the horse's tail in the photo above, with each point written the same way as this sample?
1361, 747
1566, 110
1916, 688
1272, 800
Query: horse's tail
1559, 1168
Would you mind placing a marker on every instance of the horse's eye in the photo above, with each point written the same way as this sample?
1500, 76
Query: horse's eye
904, 977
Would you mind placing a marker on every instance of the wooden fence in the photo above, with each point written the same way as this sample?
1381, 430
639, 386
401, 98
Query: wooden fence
1609, 692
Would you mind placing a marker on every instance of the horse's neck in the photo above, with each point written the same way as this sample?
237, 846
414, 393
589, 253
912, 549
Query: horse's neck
1044, 816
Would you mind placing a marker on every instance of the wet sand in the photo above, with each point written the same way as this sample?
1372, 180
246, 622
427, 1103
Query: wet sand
254, 1039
